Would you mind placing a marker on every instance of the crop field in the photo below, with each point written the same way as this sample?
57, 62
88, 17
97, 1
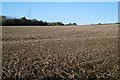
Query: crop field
60, 53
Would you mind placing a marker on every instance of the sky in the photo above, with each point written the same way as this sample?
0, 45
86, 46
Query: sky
78, 12
60, 0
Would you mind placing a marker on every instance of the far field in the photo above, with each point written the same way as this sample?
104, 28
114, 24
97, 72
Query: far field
76, 52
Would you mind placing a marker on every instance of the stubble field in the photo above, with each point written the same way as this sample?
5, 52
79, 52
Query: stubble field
49, 53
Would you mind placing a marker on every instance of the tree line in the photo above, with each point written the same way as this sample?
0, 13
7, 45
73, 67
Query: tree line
29, 22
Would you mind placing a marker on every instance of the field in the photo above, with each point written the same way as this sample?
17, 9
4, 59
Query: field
72, 53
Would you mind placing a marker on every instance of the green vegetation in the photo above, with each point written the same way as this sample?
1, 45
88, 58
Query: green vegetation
29, 22
117, 23
99, 24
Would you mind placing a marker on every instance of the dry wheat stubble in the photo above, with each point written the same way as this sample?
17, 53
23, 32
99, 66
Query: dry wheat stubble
60, 52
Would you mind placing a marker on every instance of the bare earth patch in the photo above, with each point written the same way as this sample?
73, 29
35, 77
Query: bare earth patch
47, 53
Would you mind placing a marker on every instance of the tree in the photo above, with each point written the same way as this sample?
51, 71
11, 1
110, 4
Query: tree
70, 24
23, 22
23, 18
2, 19
74, 24
34, 20
99, 24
